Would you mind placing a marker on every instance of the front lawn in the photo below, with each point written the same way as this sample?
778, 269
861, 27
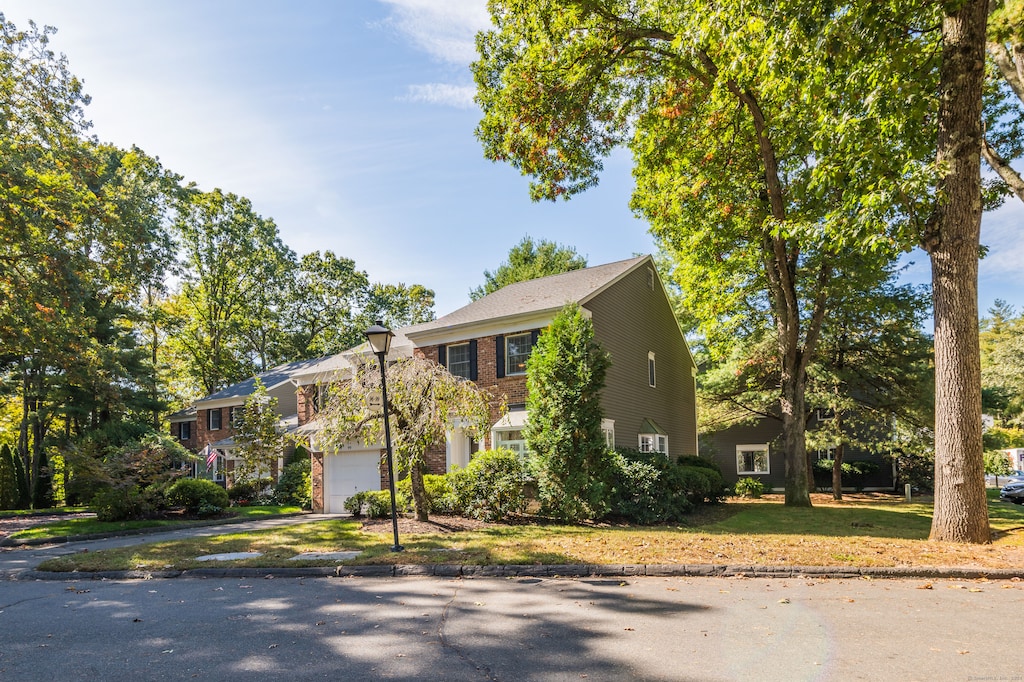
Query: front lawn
90, 526
864, 531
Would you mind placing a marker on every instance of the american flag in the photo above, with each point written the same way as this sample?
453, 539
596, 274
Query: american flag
211, 456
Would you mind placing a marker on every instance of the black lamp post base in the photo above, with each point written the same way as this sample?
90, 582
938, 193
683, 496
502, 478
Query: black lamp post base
397, 548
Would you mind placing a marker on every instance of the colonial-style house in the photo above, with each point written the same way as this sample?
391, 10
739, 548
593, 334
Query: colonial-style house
649, 396
648, 400
208, 423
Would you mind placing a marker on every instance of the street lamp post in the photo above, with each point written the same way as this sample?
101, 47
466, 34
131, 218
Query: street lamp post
379, 337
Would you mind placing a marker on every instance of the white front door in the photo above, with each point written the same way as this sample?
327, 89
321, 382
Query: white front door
348, 473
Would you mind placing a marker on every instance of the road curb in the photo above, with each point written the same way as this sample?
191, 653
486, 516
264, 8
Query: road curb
545, 571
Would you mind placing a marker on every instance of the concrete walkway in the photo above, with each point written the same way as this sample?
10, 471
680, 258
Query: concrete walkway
19, 563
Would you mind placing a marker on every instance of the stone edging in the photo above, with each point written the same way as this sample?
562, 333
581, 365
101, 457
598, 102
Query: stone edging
544, 571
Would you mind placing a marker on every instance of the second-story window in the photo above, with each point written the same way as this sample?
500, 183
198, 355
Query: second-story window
517, 352
213, 420
184, 431
459, 361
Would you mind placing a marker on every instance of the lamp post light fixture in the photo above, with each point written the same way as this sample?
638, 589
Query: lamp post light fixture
379, 337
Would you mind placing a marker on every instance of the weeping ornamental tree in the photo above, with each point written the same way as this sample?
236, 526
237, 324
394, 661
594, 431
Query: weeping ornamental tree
423, 398
564, 378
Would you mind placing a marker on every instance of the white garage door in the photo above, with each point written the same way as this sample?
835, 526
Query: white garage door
348, 473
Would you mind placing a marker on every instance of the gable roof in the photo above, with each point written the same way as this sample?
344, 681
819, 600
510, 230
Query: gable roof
536, 296
272, 378
331, 366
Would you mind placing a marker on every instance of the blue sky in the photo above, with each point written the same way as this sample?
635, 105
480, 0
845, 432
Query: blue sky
351, 125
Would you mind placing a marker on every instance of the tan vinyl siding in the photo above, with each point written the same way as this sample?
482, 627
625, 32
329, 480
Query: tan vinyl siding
630, 321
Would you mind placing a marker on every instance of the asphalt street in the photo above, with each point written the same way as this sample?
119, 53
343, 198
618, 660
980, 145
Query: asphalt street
510, 629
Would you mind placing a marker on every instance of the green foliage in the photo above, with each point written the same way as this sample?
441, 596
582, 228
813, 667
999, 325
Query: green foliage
376, 504
198, 496
258, 437
698, 461
564, 377
300, 454
295, 485
998, 438
125, 504
251, 491
648, 488
854, 473
997, 463
422, 397
749, 487
438, 490
10, 486
528, 260
42, 487
491, 487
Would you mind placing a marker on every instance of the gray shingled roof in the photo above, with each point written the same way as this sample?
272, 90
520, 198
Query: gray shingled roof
272, 377
535, 295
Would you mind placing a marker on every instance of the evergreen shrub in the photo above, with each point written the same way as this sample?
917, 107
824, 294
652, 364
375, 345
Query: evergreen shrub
198, 495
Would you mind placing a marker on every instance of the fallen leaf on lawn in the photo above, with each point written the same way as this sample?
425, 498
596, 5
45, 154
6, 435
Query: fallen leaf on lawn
963, 651
478, 603
783, 601
975, 589
926, 586
850, 601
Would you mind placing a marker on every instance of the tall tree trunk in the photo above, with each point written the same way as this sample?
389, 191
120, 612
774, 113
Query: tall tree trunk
794, 428
837, 472
961, 509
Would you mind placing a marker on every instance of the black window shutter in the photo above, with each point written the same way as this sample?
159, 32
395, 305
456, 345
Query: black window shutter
499, 356
534, 335
442, 355
472, 360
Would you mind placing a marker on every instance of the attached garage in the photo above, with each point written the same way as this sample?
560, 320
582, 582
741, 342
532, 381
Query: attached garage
348, 473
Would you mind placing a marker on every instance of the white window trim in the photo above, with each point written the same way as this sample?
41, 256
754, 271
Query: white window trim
508, 363
209, 419
468, 363
754, 447
608, 431
652, 370
657, 441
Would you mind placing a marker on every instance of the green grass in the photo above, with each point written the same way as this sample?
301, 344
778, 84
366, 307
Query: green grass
91, 526
887, 532
14, 513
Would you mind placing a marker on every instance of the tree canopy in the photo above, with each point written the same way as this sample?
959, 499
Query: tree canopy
530, 260
774, 146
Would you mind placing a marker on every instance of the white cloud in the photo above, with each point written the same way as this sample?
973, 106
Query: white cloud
445, 29
460, 96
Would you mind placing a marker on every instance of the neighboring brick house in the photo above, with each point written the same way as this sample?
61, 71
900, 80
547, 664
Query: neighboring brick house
183, 427
649, 397
213, 416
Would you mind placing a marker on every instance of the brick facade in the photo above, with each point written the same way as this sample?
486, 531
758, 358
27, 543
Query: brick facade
190, 443
510, 390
